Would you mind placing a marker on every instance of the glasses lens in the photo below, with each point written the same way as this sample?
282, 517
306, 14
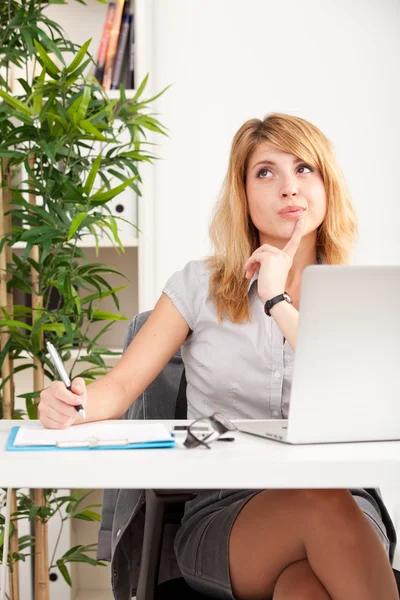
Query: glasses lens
207, 429
198, 432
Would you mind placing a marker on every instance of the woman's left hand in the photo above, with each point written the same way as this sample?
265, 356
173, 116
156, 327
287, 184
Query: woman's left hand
273, 265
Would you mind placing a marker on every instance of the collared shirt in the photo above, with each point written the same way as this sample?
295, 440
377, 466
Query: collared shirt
243, 370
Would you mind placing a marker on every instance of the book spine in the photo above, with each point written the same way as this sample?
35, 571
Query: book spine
112, 44
123, 38
131, 70
102, 52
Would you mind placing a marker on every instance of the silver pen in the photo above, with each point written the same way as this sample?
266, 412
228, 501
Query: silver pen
57, 362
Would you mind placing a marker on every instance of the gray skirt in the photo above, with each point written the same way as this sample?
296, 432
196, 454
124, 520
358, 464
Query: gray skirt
201, 543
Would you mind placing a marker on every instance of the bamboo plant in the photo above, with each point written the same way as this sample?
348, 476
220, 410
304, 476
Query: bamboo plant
61, 164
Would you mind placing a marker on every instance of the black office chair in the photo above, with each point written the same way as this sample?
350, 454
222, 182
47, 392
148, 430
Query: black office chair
162, 507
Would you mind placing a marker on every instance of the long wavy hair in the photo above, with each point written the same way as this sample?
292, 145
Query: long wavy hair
233, 235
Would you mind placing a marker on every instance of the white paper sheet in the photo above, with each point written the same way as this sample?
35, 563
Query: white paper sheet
103, 431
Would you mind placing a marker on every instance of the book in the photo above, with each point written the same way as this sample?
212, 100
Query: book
96, 435
121, 50
131, 67
112, 44
102, 52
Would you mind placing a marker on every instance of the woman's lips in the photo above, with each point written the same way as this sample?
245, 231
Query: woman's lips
293, 214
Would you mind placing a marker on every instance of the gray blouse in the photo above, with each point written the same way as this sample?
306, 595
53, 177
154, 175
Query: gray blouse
243, 370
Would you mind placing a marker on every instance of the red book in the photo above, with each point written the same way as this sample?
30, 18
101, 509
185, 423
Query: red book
102, 52
112, 44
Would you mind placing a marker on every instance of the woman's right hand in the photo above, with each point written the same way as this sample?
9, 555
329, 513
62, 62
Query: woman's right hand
56, 406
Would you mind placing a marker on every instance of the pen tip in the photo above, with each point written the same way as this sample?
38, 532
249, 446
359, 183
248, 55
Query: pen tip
82, 413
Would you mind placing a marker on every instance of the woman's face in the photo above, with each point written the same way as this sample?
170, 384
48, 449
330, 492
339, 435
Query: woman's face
276, 181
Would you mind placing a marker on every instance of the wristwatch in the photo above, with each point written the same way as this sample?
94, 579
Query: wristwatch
270, 303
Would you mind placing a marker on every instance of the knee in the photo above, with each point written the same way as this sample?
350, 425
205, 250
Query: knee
334, 509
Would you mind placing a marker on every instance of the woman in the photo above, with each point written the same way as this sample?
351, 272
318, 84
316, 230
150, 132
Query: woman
283, 207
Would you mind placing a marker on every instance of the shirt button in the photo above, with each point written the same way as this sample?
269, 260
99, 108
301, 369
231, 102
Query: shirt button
118, 532
277, 374
275, 413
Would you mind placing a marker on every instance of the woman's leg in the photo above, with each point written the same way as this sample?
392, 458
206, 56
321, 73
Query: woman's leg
277, 528
297, 581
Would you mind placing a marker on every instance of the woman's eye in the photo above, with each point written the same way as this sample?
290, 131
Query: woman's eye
305, 167
259, 174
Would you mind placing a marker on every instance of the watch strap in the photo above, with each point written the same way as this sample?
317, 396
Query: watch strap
271, 303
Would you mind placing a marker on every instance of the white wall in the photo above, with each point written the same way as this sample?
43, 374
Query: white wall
335, 63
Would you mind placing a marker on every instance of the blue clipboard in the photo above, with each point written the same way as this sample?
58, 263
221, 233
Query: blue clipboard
134, 446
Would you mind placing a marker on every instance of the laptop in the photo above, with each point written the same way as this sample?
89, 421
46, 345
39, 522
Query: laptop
346, 377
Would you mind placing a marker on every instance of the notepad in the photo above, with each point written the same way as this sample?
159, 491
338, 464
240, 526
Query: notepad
98, 435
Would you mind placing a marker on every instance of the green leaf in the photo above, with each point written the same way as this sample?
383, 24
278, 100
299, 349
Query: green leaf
11, 530
112, 223
74, 76
29, 395
38, 97
79, 57
11, 153
100, 295
136, 156
48, 63
58, 328
77, 300
122, 95
35, 233
90, 128
4, 353
33, 512
25, 85
49, 150
14, 323
68, 328
136, 106
15, 103
31, 408
75, 548
92, 175
87, 515
105, 196
76, 223
141, 88
83, 106
100, 315
64, 572
27, 39
73, 109
79, 557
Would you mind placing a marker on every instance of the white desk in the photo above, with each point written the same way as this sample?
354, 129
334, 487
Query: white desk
248, 462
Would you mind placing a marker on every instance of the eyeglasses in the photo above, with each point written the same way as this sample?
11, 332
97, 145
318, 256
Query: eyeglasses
219, 425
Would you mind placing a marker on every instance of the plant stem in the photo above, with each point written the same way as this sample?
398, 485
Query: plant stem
57, 542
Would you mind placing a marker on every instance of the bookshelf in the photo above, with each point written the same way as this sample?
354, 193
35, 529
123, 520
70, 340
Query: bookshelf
80, 23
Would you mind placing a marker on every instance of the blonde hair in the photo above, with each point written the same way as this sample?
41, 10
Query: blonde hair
233, 235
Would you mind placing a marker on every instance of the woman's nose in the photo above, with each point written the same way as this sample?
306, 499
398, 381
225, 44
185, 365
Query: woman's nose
289, 191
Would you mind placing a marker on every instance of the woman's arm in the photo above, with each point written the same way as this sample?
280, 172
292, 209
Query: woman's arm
110, 396
152, 347
287, 319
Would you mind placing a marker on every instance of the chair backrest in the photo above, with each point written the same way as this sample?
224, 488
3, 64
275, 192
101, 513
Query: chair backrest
165, 397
